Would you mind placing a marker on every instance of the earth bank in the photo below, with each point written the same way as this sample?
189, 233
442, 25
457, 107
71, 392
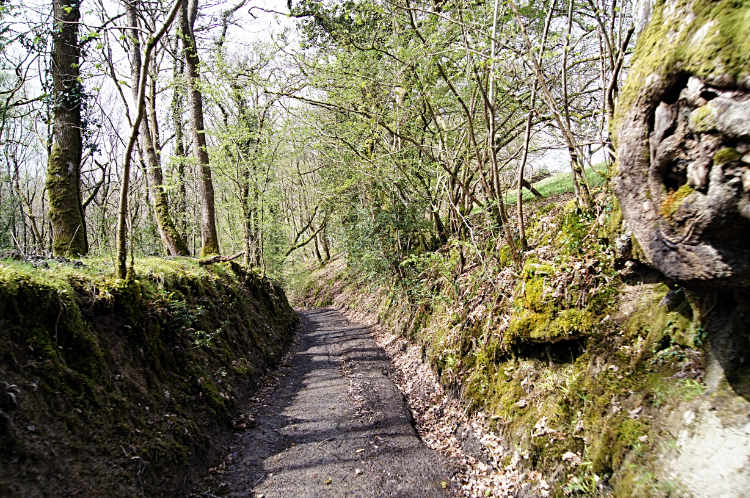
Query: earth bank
125, 388
592, 368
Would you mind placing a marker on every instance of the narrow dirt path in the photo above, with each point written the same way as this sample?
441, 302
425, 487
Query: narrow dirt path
333, 425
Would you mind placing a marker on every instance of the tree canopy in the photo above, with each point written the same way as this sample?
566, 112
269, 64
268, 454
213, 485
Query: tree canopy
379, 129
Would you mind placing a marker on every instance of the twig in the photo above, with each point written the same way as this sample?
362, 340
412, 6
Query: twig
219, 259
321, 448
20, 249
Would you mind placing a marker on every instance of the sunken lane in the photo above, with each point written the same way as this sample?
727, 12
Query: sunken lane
332, 423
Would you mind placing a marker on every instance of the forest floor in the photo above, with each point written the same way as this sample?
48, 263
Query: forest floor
352, 411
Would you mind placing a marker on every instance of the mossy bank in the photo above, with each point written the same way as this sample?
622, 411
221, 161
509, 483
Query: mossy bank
128, 388
586, 369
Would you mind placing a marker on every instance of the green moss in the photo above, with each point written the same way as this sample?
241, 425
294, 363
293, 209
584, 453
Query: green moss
674, 200
116, 359
43, 312
637, 251
65, 211
704, 38
702, 119
640, 482
613, 227
674, 322
166, 224
629, 433
541, 327
726, 155
573, 322
543, 313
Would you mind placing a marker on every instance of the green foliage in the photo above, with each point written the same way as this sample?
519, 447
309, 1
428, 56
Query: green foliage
327, 22
379, 239
542, 345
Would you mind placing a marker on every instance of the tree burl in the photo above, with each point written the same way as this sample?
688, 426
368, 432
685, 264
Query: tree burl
683, 128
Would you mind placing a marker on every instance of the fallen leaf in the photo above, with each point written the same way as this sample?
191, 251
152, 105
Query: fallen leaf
572, 458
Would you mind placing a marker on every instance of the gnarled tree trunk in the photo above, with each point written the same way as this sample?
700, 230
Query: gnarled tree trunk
683, 180
683, 128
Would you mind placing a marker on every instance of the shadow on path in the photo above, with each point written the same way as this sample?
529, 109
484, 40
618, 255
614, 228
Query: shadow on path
334, 425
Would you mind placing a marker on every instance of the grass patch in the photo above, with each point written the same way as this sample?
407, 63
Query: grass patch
561, 183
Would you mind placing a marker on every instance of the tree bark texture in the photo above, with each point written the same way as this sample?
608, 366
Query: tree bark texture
122, 230
210, 239
173, 242
64, 166
683, 142
179, 143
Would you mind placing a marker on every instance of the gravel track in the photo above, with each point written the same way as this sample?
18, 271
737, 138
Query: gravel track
332, 424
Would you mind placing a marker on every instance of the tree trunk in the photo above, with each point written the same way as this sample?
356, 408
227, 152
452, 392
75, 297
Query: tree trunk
257, 240
316, 248
581, 188
122, 230
174, 245
210, 239
519, 201
525, 184
179, 141
683, 129
326, 248
64, 167
249, 221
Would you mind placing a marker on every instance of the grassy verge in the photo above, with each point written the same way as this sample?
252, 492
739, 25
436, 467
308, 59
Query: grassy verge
560, 183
